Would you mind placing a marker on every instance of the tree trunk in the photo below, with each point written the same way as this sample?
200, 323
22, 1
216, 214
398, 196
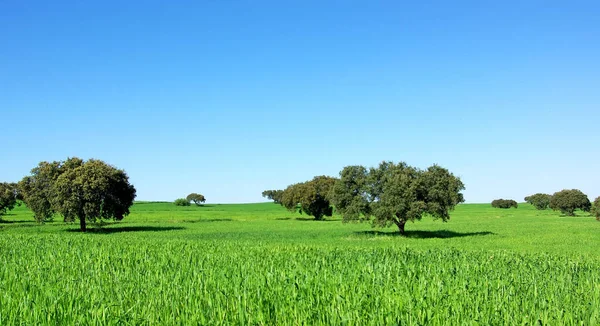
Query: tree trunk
400, 223
82, 224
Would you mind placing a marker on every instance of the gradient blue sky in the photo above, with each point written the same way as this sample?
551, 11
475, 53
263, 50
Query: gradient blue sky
228, 98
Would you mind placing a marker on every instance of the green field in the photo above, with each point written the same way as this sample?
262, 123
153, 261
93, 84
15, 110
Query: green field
260, 264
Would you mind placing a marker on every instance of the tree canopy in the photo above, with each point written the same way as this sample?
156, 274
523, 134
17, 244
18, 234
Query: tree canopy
38, 188
9, 196
198, 199
310, 197
539, 201
273, 195
394, 193
77, 189
567, 201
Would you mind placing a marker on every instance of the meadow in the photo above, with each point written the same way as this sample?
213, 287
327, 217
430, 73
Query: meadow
262, 265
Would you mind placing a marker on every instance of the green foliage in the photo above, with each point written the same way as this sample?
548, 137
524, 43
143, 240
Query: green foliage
539, 201
273, 195
198, 199
396, 193
181, 202
86, 190
567, 201
504, 203
596, 208
311, 197
38, 188
9, 196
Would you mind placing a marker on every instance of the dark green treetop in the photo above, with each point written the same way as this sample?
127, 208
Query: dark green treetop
198, 199
310, 197
539, 201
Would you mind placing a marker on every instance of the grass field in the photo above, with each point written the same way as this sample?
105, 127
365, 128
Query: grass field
259, 264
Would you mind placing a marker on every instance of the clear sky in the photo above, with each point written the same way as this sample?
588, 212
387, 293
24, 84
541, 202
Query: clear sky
229, 98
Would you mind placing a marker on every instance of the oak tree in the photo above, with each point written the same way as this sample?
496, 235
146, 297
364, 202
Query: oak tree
310, 197
395, 193
567, 201
198, 199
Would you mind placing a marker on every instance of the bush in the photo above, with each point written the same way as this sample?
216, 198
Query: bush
596, 208
182, 202
504, 203
539, 200
567, 201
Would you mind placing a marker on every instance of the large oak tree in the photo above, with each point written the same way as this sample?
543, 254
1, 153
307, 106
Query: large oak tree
77, 189
395, 193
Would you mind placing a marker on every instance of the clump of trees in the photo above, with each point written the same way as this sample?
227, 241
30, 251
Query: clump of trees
182, 202
395, 193
198, 199
596, 208
311, 197
9, 197
539, 201
85, 190
273, 195
567, 201
504, 203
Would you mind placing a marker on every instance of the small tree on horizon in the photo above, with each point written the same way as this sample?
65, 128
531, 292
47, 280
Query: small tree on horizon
504, 203
198, 199
274, 195
567, 201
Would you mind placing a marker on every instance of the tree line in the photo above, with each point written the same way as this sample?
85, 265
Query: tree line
388, 194
567, 201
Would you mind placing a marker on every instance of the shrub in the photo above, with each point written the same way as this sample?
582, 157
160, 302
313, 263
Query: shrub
567, 201
539, 201
182, 202
504, 203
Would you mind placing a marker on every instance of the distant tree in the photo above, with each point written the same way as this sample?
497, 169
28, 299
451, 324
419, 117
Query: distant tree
273, 195
181, 202
596, 208
77, 189
392, 194
9, 196
311, 197
567, 201
504, 203
539, 201
198, 199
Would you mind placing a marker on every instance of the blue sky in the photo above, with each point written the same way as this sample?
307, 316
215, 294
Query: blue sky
229, 98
